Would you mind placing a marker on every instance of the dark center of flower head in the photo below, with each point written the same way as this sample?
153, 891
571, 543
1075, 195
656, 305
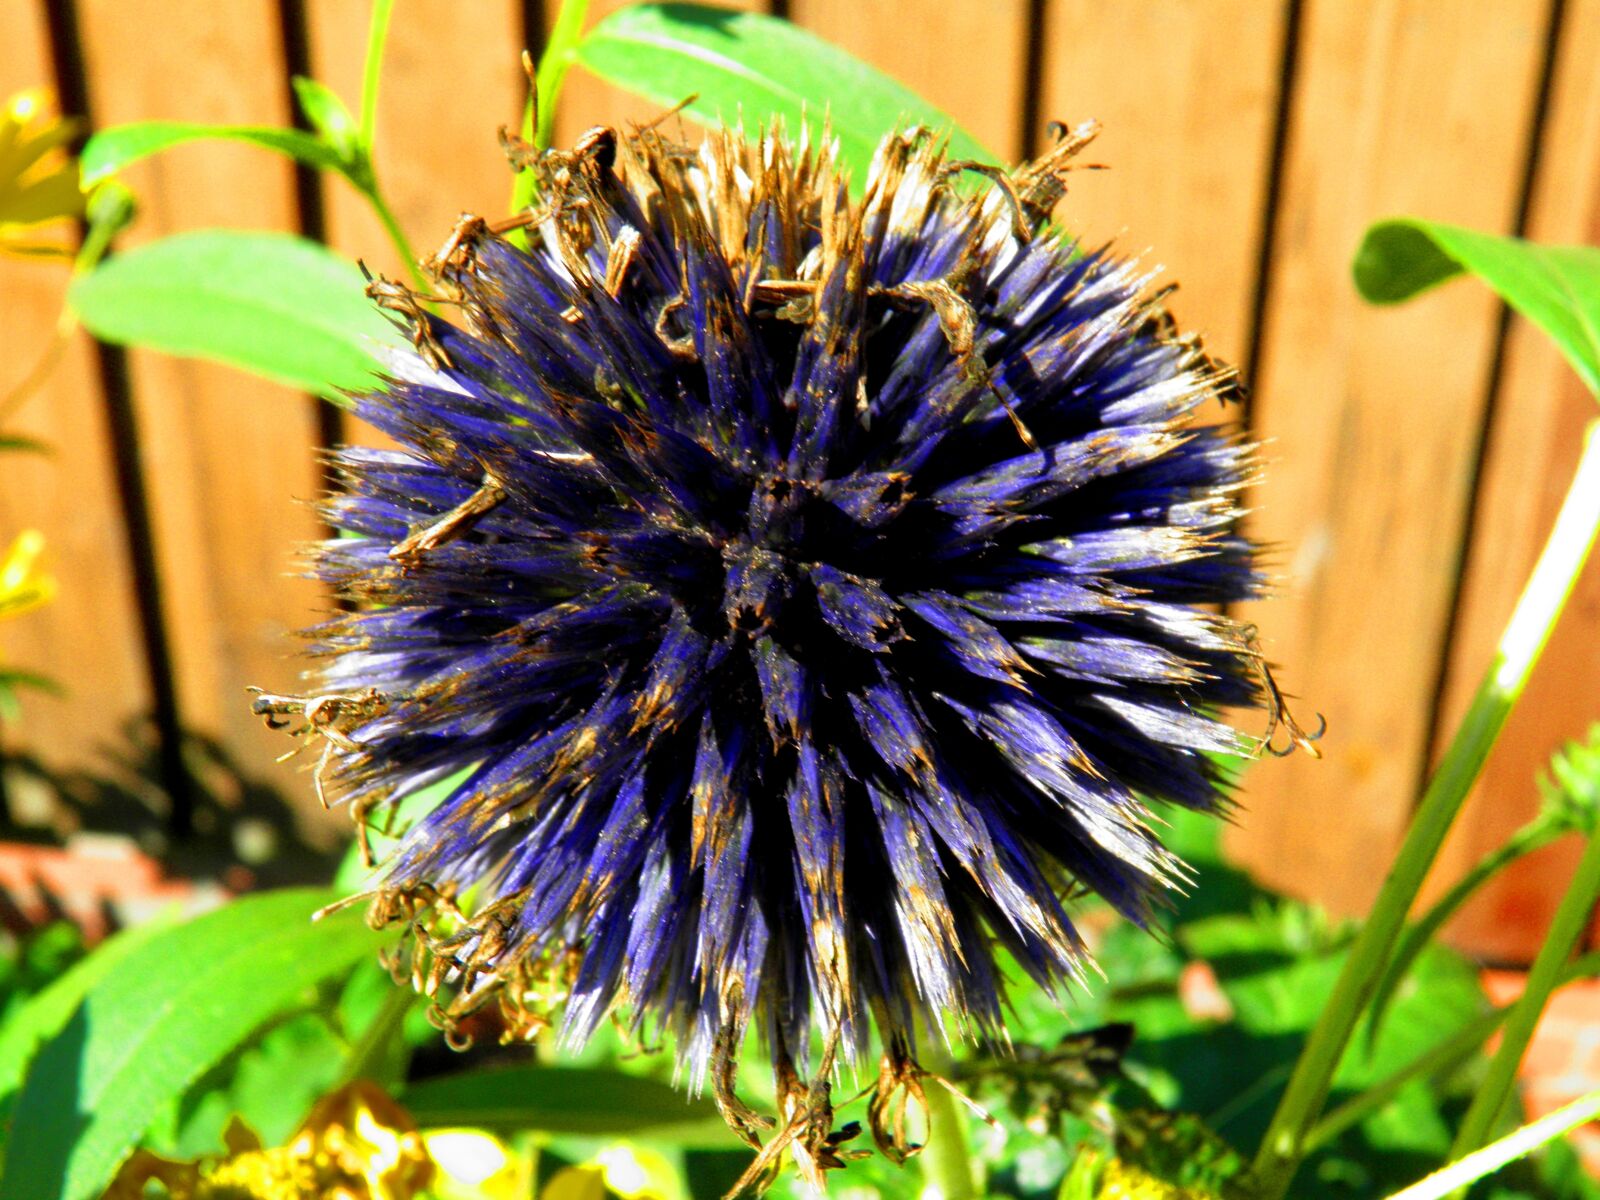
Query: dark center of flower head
804, 595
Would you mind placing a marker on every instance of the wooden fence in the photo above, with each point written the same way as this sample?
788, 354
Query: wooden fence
1417, 454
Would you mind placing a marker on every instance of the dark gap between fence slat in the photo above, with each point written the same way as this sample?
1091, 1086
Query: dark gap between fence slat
1028, 131
72, 86
1271, 199
534, 33
310, 205
1537, 126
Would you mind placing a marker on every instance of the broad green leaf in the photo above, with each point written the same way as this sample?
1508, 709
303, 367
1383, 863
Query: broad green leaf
1555, 287
155, 1022
737, 63
272, 303
111, 150
329, 116
569, 1100
44, 1014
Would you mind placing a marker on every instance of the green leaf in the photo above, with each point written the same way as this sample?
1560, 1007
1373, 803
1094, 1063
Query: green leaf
760, 66
155, 1022
271, 303
569, 1100
1555, 287
111, 150
329, 117
45, 1014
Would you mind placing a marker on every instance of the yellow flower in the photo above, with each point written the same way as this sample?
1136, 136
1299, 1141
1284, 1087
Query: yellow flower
22, 585
357, 1144
38, 180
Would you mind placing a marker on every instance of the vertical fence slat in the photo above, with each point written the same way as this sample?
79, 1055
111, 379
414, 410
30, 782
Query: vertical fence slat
968, 59
452, 77
228, 458
1374, 416
1185, 94
1538, 420
87, 640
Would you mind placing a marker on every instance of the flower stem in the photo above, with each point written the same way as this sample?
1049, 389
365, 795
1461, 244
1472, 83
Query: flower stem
372, 68
396, 235
1535, 835
1440, 1059
1540, 604
1507, 1150
946, 1160
1571, 919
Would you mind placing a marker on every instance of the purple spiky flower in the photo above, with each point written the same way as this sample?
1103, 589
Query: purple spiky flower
814, 592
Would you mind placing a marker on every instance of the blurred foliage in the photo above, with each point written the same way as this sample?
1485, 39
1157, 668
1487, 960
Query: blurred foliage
38, 180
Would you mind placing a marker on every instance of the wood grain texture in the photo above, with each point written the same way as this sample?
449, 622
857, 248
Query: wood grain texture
1186, 94
1373, 415
1537, 424
87, 640
451, 78
228, 458
968, 59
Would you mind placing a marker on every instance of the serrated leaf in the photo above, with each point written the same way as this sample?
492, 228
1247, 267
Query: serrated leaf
568, 1100
1555, 287
272, 303
112, 150
737, 63
155, 1022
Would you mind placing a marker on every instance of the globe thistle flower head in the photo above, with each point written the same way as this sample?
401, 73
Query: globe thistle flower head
807, 594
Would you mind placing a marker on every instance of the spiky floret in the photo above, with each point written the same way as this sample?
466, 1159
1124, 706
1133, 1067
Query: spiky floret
809, 588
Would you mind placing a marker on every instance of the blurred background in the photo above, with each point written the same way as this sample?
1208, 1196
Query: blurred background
1415, 457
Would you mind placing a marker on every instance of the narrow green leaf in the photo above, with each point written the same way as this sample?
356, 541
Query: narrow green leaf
155, 1022
745, 63
1555, 287
329, 117
111, 150
571, 1100
271, 303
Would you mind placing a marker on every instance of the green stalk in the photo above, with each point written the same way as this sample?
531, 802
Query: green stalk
1535, 835
396, 235
1507, 1150
1444, 1056
382, 1043
946, 1159
539, 117
371, 69
1284, 1145
1571, 919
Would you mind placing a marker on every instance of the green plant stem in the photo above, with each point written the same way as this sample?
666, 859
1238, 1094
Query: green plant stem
396, 235
1571, 919
1435, 1060
946, 1160
558, 56
377, 1044
1283, 1146
1535, 835
1447, 1055
372, 69
1507, 1150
